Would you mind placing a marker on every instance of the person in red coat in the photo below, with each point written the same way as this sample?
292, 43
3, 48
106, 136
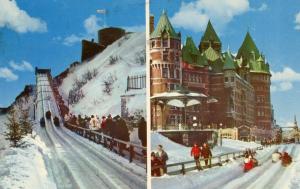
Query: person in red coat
196, 153
156, 166
248, 163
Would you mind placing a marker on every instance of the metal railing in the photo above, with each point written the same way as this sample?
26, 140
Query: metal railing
130, 150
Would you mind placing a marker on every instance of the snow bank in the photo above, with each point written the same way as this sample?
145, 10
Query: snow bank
25, 167
179, 153
95, 101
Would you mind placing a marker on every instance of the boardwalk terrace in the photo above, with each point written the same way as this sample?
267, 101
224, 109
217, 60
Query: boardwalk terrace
240, 83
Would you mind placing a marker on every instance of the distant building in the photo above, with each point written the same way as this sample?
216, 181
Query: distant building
106, 36
240, 83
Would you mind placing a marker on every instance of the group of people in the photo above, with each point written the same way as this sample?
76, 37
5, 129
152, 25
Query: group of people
269, 142
159, 159
114, 127
285, 158
201, 151
159, 162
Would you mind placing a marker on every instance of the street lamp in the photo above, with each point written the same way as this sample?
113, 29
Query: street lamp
221, 134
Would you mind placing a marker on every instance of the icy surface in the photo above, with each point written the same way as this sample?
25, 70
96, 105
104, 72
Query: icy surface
267, 175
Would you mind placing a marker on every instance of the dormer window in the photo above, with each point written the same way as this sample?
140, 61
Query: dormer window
165, 42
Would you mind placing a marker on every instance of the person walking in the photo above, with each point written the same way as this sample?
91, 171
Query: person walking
196, 152
162, 157
142, 133
206, 153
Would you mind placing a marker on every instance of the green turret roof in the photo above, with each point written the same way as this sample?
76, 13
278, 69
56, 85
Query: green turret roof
191, 55
210, 34
247, 48
259, 66
229, 63
164, 25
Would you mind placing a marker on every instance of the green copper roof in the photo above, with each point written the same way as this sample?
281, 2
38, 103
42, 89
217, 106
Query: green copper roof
210, 34
162, 26
247, 48
211, 54
191, 55
259, 66
229, 63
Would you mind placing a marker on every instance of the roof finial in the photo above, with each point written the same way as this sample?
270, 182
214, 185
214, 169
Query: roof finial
164, 11
295, 120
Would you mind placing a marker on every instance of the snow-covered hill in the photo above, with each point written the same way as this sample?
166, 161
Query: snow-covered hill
108, 77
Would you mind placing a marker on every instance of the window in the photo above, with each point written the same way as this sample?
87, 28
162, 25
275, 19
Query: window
153, 44
232, 79
177, 74
172, 87
165, 72
226, 79
165, 43
171, 73
165, 56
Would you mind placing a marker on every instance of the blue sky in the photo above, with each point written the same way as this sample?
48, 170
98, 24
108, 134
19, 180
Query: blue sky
274, 25
47, 34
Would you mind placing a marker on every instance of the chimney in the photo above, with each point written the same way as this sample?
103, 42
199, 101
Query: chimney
151, 23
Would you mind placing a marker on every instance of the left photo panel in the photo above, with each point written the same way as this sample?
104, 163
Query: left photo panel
73, 94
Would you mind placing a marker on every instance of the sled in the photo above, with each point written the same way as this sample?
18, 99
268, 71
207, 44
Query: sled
48, 115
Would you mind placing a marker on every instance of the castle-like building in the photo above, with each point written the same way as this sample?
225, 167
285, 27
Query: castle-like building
240, 82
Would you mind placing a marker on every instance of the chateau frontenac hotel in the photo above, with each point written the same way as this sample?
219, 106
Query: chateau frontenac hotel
236, 87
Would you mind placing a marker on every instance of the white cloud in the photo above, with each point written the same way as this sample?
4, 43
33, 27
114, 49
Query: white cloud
91, 24
23, 66
195, 15
263, 7
297, 21
283, 80
7, 74
11, 16
72, 39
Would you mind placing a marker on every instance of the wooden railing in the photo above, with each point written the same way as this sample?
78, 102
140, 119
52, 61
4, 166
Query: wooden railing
218, 160
129, 150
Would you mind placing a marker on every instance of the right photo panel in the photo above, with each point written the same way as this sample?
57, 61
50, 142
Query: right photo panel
224, 87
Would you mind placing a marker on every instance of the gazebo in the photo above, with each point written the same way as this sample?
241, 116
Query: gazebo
178, 98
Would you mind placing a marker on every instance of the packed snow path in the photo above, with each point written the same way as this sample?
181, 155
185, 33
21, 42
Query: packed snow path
75, 163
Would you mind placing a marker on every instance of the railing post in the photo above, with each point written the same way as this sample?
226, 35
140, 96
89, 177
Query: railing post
220, 160
131, 153
183, 169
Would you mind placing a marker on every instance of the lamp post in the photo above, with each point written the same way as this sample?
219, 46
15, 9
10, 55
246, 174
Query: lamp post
221, 134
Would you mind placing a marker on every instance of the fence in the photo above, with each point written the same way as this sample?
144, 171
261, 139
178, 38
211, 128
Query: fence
136, 82
218, 160
132, 151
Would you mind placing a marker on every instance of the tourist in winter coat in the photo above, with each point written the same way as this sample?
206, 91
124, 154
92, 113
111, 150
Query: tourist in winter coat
196, 152
93, 123
276, 156
142, 131
206, 153
109, 125
162, 157
286, 159
103, 125
156, 166
248, 163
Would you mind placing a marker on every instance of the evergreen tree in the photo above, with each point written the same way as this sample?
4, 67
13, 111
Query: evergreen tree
14, 134
25, 122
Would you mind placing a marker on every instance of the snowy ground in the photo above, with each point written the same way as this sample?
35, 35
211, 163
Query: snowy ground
23, 167
179, 153
95, 101
267, 175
